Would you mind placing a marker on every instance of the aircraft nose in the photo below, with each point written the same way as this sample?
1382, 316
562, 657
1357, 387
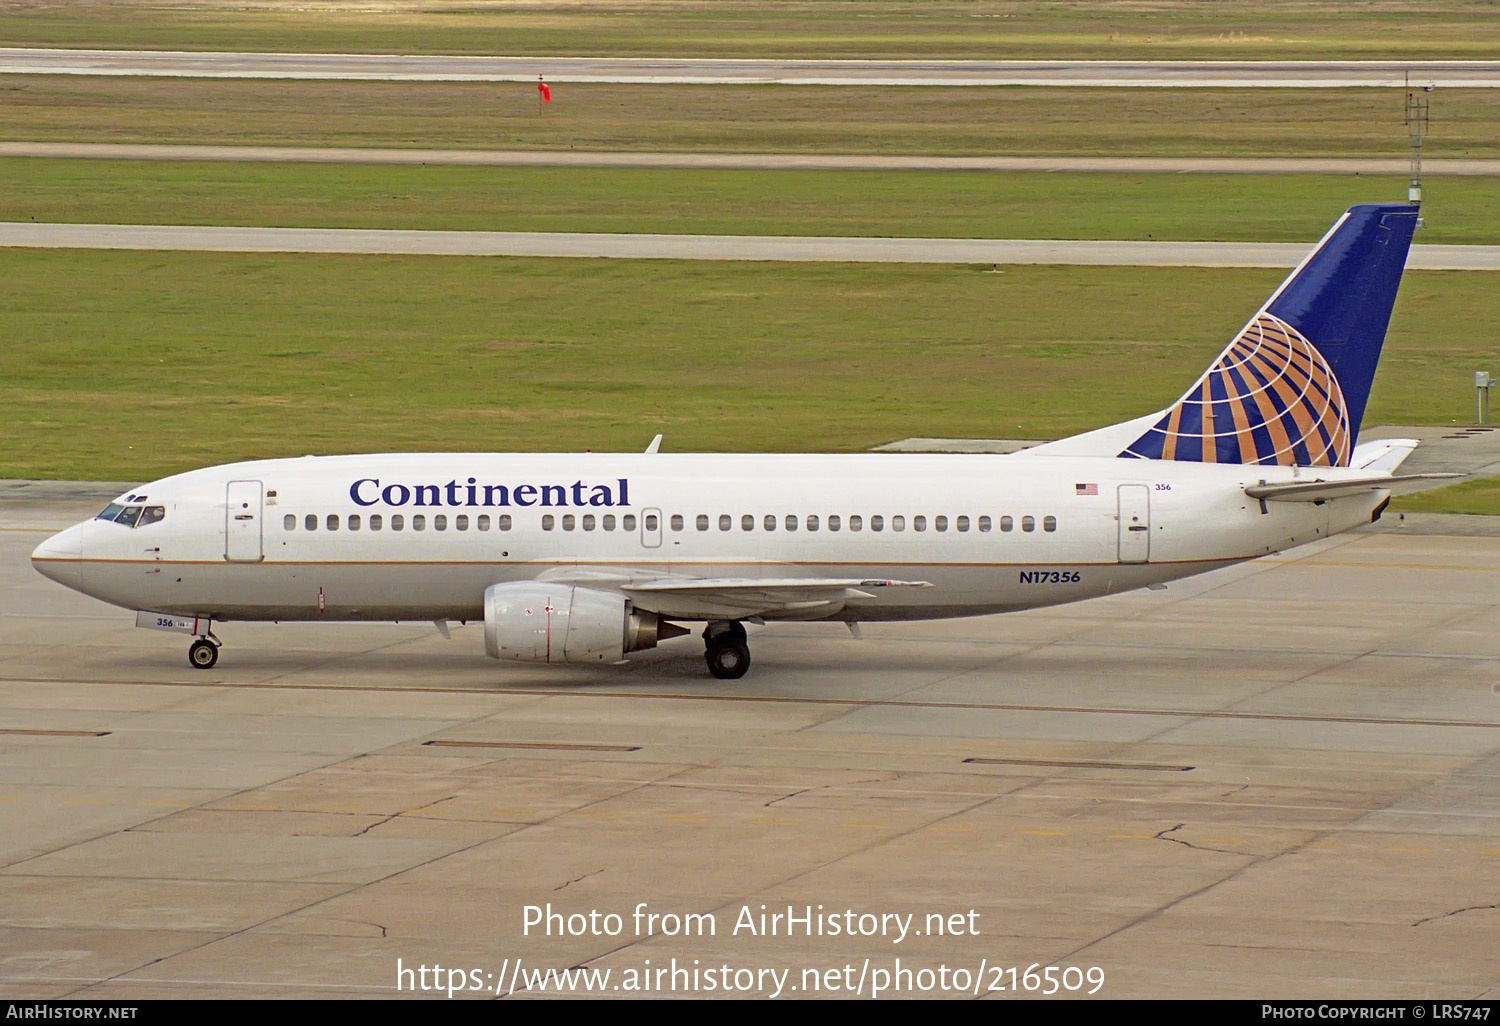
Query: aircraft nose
61, 557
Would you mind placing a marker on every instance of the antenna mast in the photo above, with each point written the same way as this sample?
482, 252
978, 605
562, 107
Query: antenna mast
1416, 129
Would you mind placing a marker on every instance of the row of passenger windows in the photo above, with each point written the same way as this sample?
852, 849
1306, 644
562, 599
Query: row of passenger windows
833, 522
627, 522
440, 522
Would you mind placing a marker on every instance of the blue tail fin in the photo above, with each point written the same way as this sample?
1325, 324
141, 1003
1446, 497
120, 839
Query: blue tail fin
1291, 388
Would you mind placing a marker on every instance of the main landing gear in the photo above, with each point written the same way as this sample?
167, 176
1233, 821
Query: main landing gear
204, 652
728, 649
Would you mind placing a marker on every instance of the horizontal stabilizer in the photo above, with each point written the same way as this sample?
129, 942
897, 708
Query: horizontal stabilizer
1319, 491
1383, 456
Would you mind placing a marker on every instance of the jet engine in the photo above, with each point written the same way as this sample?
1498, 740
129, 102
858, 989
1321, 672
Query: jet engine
537, 622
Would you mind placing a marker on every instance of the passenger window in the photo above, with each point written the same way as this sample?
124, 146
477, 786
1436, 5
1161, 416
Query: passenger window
609, 521
354, 521
812, 521
440, 521
569, 522
769, 523
548, 521
1007, 524
725, 521
962, 523
1028, 523
588, 521
311, 522
628, 521
833, 522
482, 522
984, 523
877, 523
503, 521
397, 521
376, 522
702, 522
1049, 523
289, 522
919, 523
898, 523
791, 521
461, 522
419, 521
940, 523
333, 521
747, 523
855, 523
652, 523
676, 521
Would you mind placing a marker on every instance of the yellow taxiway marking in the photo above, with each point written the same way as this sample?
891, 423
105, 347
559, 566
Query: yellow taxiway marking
1042, 833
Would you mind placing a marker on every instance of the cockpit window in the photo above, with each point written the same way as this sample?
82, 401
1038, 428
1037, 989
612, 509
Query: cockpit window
152, 514
130, 516
110, 512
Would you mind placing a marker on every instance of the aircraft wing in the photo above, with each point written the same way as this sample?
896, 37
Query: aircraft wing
1321, 490
740, 598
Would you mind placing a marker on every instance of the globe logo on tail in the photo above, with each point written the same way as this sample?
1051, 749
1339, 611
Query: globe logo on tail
1270, 398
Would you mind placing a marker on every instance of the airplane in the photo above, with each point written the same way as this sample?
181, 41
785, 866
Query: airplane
585, 558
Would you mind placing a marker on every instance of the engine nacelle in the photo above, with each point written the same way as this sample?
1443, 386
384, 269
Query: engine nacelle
537, 622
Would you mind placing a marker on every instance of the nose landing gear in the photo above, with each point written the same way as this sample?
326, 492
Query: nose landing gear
203, 653
728, 649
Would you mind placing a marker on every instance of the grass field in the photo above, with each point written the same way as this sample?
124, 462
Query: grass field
1480, 497
949, 204
743, 119
130, 365
1166, 29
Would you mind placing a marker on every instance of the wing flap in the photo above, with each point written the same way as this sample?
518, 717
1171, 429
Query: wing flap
740, 598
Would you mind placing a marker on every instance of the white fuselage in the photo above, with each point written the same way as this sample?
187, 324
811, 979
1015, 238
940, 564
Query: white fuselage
274, 539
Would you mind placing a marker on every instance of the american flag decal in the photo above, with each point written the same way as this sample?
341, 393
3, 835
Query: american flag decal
1086, 489
1271, 398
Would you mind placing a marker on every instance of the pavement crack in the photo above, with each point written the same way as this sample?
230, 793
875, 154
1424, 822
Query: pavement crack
398, 815
573, 881
1459, 912
1161, 835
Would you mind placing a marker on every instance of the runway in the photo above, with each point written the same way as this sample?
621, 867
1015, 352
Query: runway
1280, 780
701, 247
1440, 166
701, 71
